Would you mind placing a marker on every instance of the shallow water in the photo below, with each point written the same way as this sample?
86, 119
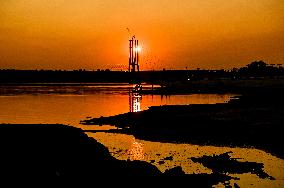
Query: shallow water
127, 147
72, 103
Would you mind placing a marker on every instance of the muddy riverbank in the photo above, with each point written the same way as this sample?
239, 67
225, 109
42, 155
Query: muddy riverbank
253, 120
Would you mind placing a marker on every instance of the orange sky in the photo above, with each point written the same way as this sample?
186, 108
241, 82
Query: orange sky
91, 34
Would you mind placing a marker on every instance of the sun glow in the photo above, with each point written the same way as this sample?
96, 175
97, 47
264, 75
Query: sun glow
193, 34
138, 49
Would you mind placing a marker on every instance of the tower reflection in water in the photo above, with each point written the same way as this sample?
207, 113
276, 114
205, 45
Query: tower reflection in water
135, 100
136, 151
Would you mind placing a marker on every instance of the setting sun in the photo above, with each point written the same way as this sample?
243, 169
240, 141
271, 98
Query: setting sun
138, 49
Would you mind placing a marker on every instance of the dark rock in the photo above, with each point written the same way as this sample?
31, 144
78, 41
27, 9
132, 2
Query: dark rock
54, 151
176, 171
170, 158
48, 152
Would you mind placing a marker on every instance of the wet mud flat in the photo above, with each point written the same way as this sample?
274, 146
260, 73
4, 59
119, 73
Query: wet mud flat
224, 163
255, 119
53, 152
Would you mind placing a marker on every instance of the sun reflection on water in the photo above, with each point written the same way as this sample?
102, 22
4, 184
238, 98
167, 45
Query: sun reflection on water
135, 102
136, 151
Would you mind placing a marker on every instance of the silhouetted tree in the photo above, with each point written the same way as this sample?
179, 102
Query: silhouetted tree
257, 65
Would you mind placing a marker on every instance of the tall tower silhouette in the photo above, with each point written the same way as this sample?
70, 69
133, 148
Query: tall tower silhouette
133, 64
133, 55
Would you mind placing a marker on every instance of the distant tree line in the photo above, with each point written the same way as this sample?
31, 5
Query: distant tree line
259, 69
254, 70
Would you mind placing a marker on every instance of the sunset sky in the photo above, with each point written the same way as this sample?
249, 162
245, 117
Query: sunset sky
92, 34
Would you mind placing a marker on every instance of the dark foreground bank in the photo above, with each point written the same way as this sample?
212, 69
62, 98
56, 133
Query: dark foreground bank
49, 152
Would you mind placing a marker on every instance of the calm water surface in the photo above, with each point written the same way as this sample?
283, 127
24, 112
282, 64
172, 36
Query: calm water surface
70, 104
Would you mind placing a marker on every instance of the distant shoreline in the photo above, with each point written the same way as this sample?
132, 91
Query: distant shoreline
255, 70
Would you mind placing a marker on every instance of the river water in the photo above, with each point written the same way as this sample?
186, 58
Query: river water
69, 104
